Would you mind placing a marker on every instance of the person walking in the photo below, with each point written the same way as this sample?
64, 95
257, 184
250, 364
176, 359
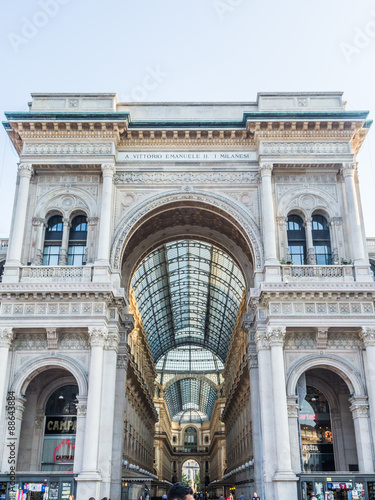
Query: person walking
255, 496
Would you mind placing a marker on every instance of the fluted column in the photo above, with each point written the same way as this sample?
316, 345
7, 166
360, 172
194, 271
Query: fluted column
293, 421
357, 239
367, 335
309, 243
266, 408
333, 223
39, 225
108, 170
80, 433
98, 336
359, 409
269, 233
25, 171
63, 259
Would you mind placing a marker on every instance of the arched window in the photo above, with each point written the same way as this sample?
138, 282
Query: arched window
321, 240
296, 239
77, 241
60, 430
52, 241
316, 432
191, 440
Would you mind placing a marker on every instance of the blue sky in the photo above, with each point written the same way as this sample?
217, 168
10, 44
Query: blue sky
202, 50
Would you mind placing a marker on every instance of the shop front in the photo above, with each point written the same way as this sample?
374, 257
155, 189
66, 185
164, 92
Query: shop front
38, 487
336, 486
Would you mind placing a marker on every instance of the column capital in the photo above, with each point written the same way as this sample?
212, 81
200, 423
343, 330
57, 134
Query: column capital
122, 361
25, 170
112, 341
307, 222
6, 337
335, 221
252, 359
348, 169
276, 335
281, 221
108, 169
292, 410
359, 407
81, 410
98, 335
67, 222
265, 169
261, 340
367, 335
38, 221
92, 221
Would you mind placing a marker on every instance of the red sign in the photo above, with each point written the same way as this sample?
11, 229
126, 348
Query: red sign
64, 452
307, 416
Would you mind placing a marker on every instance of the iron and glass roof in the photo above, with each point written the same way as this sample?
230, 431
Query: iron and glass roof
188, 293
189, 359
190, 400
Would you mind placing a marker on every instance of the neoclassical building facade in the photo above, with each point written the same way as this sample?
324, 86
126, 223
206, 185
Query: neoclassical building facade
187, 282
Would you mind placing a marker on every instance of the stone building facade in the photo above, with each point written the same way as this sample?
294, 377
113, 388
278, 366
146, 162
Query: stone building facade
259, 200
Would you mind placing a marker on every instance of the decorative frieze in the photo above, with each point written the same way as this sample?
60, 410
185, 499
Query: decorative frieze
318, 308
304, 148
30, 342
67, 148
173, 178
53, 308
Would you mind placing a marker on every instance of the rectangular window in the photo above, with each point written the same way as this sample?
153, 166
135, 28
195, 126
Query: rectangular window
322, 255
76, 255
58, 453
297, 254
51, 255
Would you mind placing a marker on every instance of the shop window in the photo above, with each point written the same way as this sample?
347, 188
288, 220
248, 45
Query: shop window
296, 239
77, 241
316, 433
60, 430
191, 440
52, 241
321, 240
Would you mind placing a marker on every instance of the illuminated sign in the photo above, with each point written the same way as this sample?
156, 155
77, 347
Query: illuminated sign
64, 452
307, 416
340, 486
60, 425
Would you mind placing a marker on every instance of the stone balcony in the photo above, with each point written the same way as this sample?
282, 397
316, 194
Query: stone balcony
34, 274
317, 273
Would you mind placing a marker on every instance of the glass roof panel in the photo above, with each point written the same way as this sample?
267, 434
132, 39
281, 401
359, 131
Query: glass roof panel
188, 293
189, 359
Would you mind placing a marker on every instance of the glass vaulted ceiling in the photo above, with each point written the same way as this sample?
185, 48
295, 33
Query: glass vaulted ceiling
188, 293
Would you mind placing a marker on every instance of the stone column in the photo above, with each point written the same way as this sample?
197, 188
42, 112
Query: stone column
106, 214
90, 478
63, 259
309, 243
20, 408
358, 251
367, 335
269, 230
283, 236
6, 338
106, 442
359, 409
333, 223
293, 421
25, 171
90, 244
80, 433
40, 225
285, 480
118, 427
267, 417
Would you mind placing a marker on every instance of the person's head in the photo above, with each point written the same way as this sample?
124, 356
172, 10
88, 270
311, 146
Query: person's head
255, 494
180, 491
91, 498
71, 497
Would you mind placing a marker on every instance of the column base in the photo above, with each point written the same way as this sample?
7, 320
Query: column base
272, 271
285, 475
12, 272
362, 271
101, 272
88, 484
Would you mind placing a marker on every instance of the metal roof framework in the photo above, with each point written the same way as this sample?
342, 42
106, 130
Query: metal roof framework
188, 293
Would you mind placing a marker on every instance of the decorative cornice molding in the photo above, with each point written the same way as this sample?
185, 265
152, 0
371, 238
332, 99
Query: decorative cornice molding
66, 148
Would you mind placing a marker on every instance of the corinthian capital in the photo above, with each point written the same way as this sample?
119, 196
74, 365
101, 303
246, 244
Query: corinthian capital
265, 169
348, 169
6, 337
98, 336
112, 341
367, 335
25, 170
108, 169
276, 335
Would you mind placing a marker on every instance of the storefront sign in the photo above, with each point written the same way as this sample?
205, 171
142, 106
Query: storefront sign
64, 452
307, 416
340, 486
60, 425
